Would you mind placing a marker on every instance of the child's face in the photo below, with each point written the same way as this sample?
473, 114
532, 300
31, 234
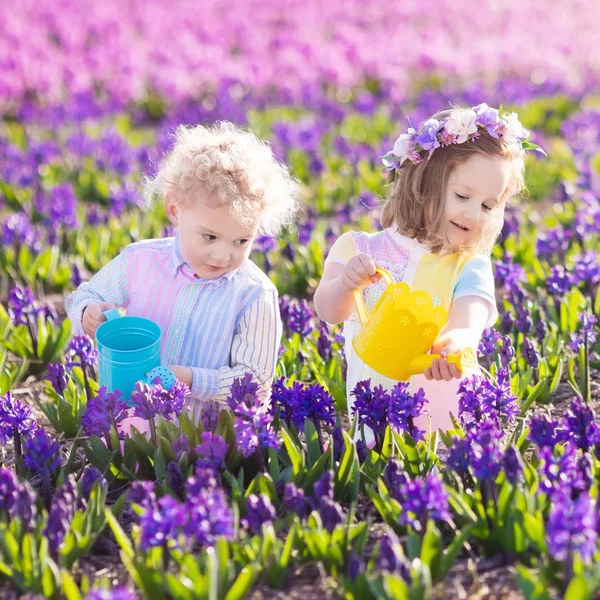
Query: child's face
213, 242
474, 198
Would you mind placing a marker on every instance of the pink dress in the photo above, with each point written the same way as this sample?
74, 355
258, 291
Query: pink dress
445, 277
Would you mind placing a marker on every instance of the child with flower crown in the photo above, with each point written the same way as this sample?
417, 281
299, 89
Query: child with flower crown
217, 310
450, 182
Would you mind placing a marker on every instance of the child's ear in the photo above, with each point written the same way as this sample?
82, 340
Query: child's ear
172, 208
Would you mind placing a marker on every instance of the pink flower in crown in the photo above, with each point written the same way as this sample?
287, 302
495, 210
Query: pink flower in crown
461, 123
447, 138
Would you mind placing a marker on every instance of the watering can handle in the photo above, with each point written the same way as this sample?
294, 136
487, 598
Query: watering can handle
111, 314
358, 299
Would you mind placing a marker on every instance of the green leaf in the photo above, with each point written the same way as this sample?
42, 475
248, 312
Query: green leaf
119, 534
431, 548
243, 583
69, 587
540, 390
527, 145
294, 452
313, 448
578, 589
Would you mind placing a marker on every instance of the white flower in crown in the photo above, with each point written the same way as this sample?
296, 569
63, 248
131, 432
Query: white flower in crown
513, 130
461, 123
404, 142
401, 151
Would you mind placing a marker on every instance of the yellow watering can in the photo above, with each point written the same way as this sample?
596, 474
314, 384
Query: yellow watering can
395, 338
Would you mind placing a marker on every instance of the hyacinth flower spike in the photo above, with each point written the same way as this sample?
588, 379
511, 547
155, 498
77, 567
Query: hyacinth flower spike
396, 336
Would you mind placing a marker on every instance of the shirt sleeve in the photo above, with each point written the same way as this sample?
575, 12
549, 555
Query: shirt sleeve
109, 284
342, 250
255, 350
477, 279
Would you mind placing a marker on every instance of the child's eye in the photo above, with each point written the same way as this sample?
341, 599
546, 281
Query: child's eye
460, 197
209, 237
241, 242
486, 207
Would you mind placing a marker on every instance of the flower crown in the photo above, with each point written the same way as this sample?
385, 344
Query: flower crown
462, 125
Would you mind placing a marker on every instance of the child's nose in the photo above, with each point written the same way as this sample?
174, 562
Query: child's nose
473, 213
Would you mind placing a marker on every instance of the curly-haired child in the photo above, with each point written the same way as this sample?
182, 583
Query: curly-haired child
217, 310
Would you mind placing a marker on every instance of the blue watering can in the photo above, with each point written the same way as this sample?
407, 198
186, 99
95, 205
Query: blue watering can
128, 352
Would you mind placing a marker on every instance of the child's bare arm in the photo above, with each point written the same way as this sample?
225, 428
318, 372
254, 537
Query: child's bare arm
334, 297
466, 322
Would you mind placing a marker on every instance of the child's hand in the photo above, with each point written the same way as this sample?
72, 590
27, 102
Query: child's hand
448, 344
93, 317
360, 272
183, 374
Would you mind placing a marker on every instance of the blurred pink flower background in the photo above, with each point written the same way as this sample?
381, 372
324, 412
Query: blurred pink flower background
179, 48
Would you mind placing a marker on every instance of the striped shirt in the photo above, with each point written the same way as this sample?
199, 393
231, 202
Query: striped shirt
220, 328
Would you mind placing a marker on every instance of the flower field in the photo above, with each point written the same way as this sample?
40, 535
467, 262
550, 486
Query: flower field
288, 500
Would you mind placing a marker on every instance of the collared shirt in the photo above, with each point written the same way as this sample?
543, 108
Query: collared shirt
221, 328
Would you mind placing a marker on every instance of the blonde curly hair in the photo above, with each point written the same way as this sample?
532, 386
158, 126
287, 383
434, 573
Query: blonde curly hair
234, 167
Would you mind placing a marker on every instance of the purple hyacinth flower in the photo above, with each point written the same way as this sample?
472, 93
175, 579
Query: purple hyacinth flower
395, 479
16, 418
212, 451
253, 424
580, 425
512, 464
331, 514
424, 499
506, 324
175, 477
572, 527
560, 280
21, 302
295, 501
524, 322
324, 342
41, 454
531, 353
405, 408
150, 401
560, 472
355, 565
81, 352
62, 511
142, 493
58, 377
390, 557
487, 343
507, 350
161, 526
181, 445
104, 410
300, 317
88, 480
372, 406
459, 457
541, 330
259, 512
118, 593
17, 499
587, 334
486, 452
544, 431
210, 515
